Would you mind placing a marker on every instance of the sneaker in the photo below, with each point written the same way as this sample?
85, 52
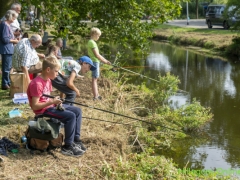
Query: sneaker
72, 150
97, 98
80, 145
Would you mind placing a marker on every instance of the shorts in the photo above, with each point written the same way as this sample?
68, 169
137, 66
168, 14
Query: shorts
96, 73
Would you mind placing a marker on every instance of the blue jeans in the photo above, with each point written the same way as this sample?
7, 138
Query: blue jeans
6, 67
96, 73
71, 117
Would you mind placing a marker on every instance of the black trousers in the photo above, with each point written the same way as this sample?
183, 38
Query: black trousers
60, 83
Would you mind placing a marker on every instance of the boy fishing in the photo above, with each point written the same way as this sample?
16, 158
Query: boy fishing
64, 82
93, 53
71, 116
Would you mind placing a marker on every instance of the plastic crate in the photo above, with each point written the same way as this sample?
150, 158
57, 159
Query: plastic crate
20, 101
20, 96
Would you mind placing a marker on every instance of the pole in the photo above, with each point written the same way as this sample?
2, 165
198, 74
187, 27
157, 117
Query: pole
111, 112
187, 14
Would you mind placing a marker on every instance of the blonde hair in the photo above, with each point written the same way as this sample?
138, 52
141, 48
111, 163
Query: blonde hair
10, 14
52, 62
94, 31
50, 49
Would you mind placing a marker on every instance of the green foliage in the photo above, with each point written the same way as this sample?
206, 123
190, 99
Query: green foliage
144, 166
120, 21
167, 86
233, 49
234, 5
174, 124
219, 1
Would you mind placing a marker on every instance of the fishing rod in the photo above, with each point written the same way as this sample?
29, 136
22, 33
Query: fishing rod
141, 75
111, 112
111, 122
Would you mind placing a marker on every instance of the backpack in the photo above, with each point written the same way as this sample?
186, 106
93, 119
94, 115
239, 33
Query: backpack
43, 145
44, 135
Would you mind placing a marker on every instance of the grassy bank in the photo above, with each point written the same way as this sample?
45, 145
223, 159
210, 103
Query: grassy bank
119, 149
111, 147
210, 41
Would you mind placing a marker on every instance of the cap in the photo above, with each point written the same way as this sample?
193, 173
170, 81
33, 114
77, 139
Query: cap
87, 60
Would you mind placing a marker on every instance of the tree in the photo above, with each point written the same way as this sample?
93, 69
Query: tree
4, 6
196, 9
119, 20
233, 12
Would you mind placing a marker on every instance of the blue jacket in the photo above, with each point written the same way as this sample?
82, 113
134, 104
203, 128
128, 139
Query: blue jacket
6, 47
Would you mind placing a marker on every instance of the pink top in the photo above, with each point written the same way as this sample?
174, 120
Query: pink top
37, 88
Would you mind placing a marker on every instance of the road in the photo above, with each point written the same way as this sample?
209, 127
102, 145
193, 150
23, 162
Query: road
193, 23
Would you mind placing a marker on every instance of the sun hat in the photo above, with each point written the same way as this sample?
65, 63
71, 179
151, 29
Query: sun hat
87, 60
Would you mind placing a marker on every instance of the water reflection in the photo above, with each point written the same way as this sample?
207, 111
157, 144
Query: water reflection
159, 62
214, 83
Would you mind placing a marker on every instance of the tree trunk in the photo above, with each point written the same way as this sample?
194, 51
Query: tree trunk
4, 6
196, 9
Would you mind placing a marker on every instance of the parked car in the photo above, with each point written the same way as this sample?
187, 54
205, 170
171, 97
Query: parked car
219, 15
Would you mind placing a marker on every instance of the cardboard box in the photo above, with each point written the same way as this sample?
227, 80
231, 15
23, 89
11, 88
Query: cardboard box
18, 83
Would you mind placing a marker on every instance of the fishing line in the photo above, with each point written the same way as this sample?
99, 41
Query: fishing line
111, 112
134, 73
141, 75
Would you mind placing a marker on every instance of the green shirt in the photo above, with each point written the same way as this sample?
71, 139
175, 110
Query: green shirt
90, 46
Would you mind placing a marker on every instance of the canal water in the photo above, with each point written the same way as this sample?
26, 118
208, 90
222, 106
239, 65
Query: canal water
214, 83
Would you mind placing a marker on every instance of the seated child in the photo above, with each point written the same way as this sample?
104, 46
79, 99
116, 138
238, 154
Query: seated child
71, 117
59, 44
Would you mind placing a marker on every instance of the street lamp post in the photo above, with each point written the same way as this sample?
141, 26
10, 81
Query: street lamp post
187, 14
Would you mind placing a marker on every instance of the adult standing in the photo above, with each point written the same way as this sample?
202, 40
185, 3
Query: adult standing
15, 26
6, 47
25, 57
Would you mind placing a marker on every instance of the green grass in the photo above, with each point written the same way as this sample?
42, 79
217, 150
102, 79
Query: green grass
197, 30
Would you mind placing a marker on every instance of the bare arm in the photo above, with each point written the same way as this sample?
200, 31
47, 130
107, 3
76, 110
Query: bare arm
36, 105
70, 83
100, 57
14, 41
41, 55
25, 71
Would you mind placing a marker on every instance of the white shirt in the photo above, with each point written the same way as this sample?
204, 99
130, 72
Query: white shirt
24, 55
14, 25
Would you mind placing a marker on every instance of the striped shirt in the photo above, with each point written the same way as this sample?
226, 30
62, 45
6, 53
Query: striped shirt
24, 55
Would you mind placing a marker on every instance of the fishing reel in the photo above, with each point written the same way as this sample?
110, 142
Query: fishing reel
60, 107
113, 69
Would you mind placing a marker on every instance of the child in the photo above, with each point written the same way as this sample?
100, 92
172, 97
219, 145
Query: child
59, 44
93, 53
69, 70
71, 117
52, 50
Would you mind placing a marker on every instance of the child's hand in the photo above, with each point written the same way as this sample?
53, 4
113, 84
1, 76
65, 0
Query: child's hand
79, 76
107, 62
78, 93
57, 100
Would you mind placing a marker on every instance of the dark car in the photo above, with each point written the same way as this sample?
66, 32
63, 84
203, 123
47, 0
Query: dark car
214, 16
220, 15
